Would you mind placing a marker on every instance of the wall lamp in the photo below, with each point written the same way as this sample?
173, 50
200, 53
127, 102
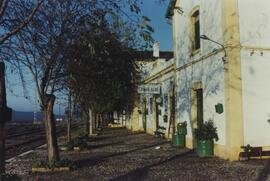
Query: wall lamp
204, 37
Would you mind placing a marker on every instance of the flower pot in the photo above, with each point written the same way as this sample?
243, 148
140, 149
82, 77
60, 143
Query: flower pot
205, 148
179, 140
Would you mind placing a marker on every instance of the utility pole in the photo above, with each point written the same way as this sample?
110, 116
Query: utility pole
5, 116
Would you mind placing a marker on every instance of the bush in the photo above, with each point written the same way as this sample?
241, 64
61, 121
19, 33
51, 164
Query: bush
207, 131
57, 164
80, 141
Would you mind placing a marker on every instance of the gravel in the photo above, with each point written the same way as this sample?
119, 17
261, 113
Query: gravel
119, 154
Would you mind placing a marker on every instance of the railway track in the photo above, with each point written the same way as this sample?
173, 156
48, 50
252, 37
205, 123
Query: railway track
22, 138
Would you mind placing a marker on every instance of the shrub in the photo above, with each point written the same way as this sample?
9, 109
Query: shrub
207, 131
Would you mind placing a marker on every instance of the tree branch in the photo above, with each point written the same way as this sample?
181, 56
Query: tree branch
3, 38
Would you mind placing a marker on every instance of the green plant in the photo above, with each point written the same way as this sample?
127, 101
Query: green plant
55, 164
246, 148
80, 141
207, 131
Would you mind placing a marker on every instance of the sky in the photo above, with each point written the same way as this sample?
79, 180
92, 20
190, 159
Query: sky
163, 34
163, 31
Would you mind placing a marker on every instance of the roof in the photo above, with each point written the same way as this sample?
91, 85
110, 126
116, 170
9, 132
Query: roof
169, 12
148, 55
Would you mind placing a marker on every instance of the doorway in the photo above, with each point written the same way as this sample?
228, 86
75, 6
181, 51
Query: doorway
199, 97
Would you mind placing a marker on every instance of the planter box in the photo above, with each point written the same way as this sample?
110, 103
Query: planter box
47, 170
205, 148
179, 140
116, 126
64, 148
76, 148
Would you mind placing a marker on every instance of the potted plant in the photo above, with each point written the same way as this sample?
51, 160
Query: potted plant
205, 135
179, 138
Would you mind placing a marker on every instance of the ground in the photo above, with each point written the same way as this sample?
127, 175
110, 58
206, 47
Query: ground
119, 154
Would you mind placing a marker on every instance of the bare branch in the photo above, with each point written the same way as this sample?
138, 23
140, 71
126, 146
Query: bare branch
3, 38
3, 8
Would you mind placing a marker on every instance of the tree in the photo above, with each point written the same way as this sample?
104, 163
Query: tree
9, 10
102, 66
42, 46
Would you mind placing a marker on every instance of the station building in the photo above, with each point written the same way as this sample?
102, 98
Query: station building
220, 72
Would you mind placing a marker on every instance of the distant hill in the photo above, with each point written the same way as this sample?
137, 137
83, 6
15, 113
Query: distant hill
18, 116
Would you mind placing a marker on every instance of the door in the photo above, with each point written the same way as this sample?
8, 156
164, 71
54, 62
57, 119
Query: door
199, 96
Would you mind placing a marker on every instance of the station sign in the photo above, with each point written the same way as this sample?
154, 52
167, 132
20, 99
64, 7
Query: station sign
149, 89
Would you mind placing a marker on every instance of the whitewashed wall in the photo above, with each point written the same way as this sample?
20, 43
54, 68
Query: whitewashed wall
254, 22
210, 20
254, 34
209, 71
256, 97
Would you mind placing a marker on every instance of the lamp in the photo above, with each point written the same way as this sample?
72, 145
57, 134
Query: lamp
204, 37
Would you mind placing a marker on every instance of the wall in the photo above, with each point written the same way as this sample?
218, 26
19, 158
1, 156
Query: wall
205, 66
159, 72
256, 97
210, 20
254, 21
210, 72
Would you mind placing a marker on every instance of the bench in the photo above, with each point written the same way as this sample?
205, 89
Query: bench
160, 132
250, 151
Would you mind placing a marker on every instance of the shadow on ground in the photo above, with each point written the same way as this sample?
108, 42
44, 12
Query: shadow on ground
92, 161
141, 173
263, 175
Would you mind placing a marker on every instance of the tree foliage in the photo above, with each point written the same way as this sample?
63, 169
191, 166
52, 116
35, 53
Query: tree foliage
103, 72
102, 33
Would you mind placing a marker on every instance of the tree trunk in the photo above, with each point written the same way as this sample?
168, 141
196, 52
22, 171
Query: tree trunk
52, 146
86, 118
91, 122
101, 121
2, 150
69, 119
5, 117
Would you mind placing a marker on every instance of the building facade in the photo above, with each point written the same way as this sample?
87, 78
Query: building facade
222, 57
153, 103
219, 72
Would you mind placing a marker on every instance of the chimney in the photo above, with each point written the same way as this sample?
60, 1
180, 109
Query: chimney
156, 49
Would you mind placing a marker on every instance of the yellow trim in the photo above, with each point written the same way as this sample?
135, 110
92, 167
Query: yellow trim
192, 30
233, 83
195, 52
195, 86
256, 48
189, 143
150, 131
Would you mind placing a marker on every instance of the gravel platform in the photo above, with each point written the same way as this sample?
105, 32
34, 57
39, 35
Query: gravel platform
119, 154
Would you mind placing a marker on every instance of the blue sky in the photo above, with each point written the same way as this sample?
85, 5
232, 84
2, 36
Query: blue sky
163, 31
163, 34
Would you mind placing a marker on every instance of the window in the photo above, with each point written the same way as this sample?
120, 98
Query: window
196, 30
